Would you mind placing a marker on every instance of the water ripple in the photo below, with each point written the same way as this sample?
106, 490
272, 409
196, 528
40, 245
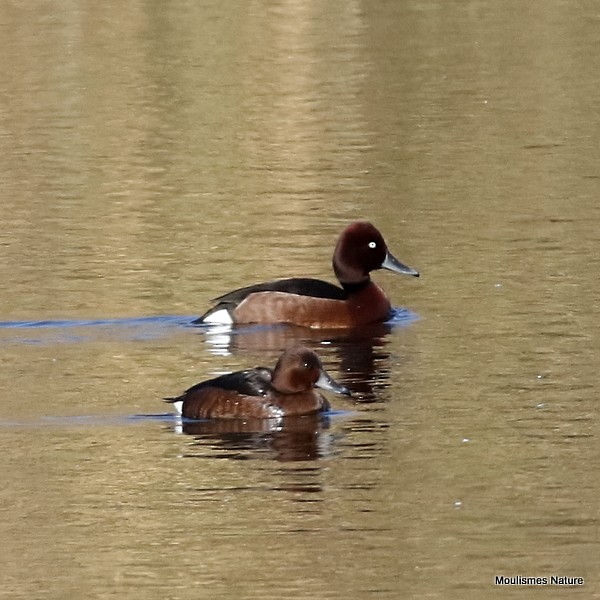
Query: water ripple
84, 330
46, 331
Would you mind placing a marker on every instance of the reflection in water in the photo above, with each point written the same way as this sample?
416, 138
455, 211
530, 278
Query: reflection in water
359, 353
287, 439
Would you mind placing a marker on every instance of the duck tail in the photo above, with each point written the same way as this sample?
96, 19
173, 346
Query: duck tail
173, 400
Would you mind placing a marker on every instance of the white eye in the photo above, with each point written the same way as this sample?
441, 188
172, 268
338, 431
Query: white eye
372, 245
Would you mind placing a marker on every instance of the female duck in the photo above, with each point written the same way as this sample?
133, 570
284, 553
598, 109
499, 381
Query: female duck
262, 393
315, 303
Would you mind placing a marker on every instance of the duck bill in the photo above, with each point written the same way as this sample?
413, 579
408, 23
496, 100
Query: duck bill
391, 263
327, 383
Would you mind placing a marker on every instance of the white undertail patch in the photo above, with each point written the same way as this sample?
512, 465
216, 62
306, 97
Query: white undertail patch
219, 317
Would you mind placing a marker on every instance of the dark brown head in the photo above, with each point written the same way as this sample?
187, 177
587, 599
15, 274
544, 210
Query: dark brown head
299, 370
362, 249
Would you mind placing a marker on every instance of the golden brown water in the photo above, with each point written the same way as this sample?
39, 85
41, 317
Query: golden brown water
154, 155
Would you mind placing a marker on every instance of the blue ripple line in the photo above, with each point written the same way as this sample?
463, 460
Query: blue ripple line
79, 330
87, 420
402, 316
128, 322
134, 328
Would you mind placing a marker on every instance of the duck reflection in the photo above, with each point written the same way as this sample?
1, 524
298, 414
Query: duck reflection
359, 354
286, 439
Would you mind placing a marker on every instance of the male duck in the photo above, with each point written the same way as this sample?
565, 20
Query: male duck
262, 393
315, 303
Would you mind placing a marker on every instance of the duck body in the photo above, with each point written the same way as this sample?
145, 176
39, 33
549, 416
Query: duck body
305, 302
315, 303
262, 393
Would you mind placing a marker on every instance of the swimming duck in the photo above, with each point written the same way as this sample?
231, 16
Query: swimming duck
359, 301
262, 393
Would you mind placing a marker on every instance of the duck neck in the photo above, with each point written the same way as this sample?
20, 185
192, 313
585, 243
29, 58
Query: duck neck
355, 286
351, 279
